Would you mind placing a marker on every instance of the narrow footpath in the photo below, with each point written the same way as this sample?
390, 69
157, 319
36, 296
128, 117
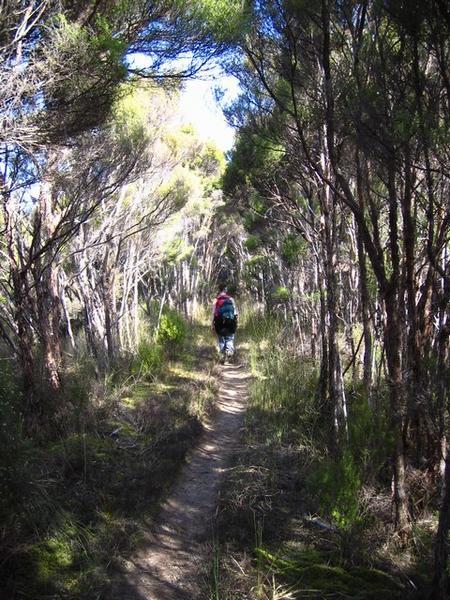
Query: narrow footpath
175, 557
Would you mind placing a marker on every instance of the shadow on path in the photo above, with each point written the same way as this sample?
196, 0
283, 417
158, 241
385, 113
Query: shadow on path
173, 555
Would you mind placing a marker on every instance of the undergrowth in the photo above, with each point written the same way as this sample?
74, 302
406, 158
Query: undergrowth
296, 519
74, 503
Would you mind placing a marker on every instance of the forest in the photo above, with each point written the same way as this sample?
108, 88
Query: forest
329, 220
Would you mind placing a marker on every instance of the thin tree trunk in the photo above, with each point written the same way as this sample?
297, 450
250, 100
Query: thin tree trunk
49, 313
47, 294
67, 316
440, 586
25, 341
361, 187
324, 359
393, 345
396, 393
365, 315
335, 389
107, 298
136, 310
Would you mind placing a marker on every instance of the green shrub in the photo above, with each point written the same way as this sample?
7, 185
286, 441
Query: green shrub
149, 359
370, 439
78, 382
10, 415
280, 295
293, 247
252, 243
283, 394
336, 485
12, 443
172, 331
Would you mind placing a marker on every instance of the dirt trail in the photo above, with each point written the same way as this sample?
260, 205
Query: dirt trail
175, 554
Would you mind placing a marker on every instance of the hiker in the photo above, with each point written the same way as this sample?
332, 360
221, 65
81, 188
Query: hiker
224, 322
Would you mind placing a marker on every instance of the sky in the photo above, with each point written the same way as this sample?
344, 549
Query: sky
198, 105
200, 108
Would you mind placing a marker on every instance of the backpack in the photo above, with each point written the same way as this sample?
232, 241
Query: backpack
224, 316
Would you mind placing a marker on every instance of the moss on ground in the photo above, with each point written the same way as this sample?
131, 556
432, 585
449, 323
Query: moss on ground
309, 571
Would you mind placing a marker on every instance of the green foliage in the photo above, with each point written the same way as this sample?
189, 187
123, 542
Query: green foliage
186, 145
254, 158
77, 503
149, 360
337, 481
78, 379
177, 250
10, 414
107, 43
293, 247
283, 410
260, 328
12, 443
132, 110
254, 266
73, 558
211, 161
250, 220
87, 68
266, 155
178, 189
370, 438
224, 20
312, 297
336, 484
281, 295
252, 243
282, 407
256, 202
283, 90
51, 557
172, 331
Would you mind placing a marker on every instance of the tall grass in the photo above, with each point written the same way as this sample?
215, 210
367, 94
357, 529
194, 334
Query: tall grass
284, 411
74, 501
286, 438
282, 405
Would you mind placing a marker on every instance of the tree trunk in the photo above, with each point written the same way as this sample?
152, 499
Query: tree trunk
314, 320
47, 294
440, 583
362, 186
322, 388
416, 388
392, 342
49, 318
25, 341
335, 388
107, 284
365, 315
